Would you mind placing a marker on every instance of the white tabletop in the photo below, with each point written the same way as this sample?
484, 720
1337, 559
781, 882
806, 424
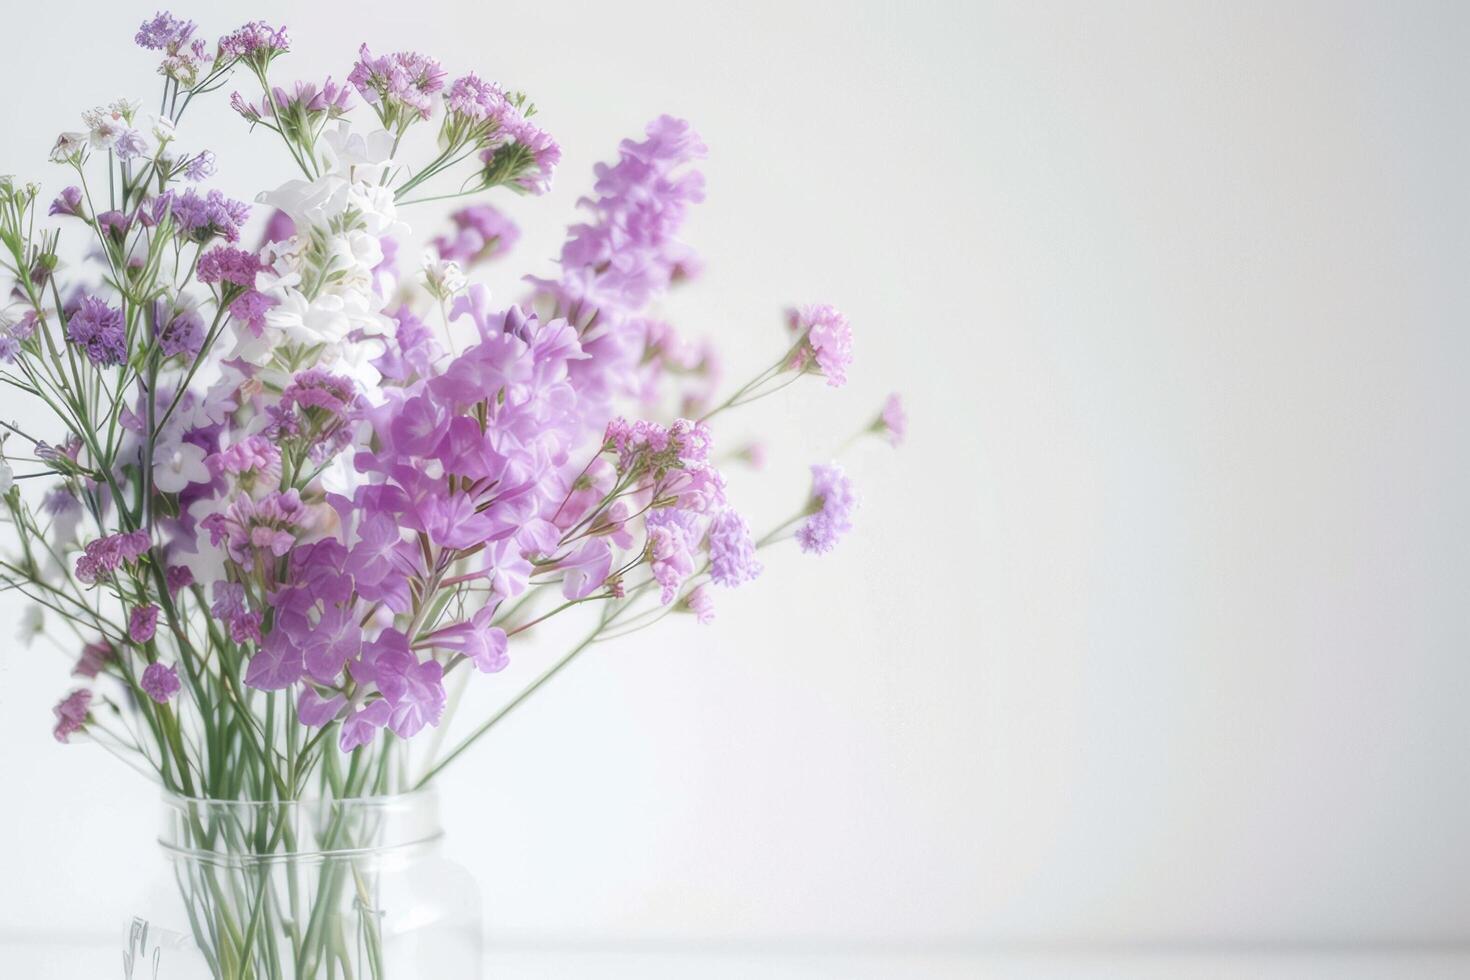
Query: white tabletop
42, 958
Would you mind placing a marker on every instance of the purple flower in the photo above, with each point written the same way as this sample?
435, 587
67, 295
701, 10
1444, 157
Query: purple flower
142, 623
584, 570
106, 555
700, 602
179, 577
316, 711
229, 607
827, 342
202, 217
331, 643
246, 526
400, 85
481, 233
256, 41
250, 309
68, 203
832, 504
71, 714
361, 726
475, 100
277, 664
99, 330
94, 657
163, 31
892, 420
673, 535
130, 144
159, 682
484, 645
224, 263
200, 167
181, 333
731, 550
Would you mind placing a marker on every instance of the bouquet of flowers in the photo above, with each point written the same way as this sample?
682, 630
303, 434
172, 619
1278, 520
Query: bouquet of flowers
283, 494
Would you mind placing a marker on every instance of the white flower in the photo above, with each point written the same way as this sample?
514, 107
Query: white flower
162, 129
310, 203
32, 622
347, 150
177, 465
442, 277
67, 146
375, 205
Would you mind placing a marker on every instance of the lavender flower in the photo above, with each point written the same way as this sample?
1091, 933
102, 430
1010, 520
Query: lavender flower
256, 43
99, 330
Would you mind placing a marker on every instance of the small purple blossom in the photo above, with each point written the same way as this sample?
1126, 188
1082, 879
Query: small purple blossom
893, 420
95, 656
481, 233
201, 166
731, 550
225, 263
142, 623
71, 714
98, 329
832, 504
200, 217
180, 332
827, 342
160, 682
701, 603
68, 203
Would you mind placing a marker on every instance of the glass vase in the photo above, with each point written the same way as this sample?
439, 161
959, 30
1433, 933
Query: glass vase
308, 890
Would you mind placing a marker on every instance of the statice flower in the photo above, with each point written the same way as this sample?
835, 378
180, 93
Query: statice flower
701, 603
184, 53
825, 342
256, 42
527, 161
163, 31
731, 550
224, 263
160, 682
180, 332
71, 714
673, 539
832, 504
399, 86
202, 217
142, 622
99, 330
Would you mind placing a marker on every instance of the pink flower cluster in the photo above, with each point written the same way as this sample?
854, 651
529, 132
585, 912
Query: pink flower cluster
106, 555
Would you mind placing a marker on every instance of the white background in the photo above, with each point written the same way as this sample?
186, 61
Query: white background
1156, 630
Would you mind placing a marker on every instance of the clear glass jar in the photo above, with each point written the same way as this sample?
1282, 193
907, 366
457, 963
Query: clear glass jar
309, 890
